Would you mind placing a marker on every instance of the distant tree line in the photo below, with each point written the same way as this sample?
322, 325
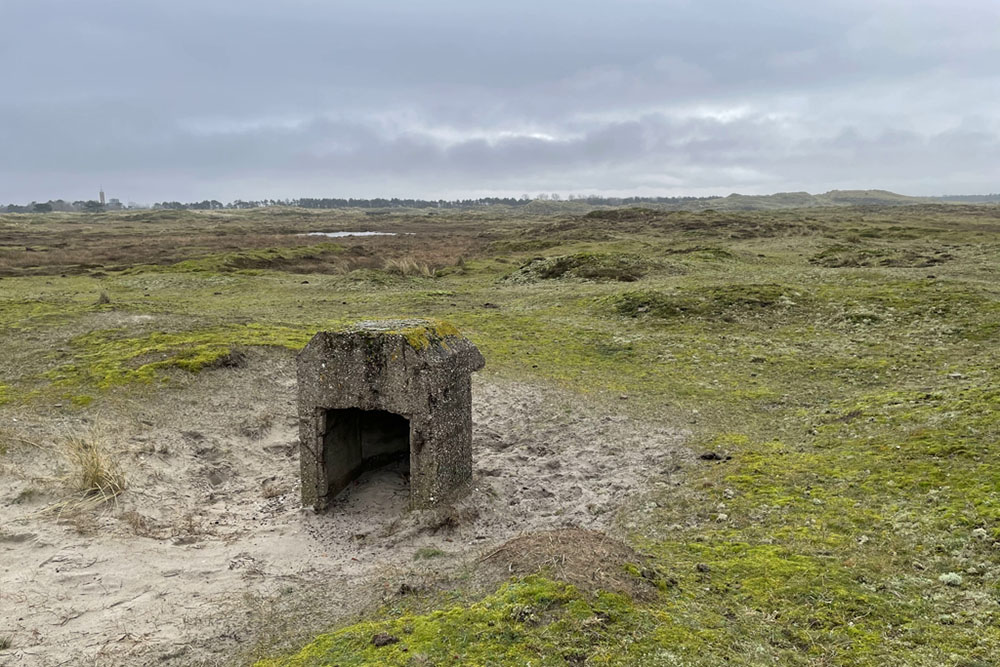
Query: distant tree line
61, 205
397, 202
92, 206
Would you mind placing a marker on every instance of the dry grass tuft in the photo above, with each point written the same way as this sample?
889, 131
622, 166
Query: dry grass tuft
407, 266
6, 643
94, 476
94, 472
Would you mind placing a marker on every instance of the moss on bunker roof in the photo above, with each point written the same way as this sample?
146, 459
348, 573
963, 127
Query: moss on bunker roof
419, 333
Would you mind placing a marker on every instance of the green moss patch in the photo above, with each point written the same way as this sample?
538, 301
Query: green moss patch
533, 621
108, 358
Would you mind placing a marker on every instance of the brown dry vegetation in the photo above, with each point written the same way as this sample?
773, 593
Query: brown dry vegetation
74, 244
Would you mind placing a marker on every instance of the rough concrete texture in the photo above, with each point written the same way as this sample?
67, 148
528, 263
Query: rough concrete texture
414, 370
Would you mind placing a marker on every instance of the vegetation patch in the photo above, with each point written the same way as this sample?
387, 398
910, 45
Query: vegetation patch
587, 559
630, 214
316, 258
844, 508
842, 255
108, 358
534, 621
598, 267
419, 334
730, 224
706, 302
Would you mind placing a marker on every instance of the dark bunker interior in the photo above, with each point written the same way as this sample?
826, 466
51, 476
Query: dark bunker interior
356, 441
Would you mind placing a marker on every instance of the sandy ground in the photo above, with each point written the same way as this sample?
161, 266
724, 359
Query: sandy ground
208, 555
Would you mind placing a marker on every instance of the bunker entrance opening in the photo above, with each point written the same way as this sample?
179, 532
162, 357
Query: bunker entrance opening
359, 440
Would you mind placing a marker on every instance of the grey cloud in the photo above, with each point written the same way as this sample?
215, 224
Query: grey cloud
189, 99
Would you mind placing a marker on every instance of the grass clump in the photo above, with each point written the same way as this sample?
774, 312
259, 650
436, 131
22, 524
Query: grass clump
94, 472
406, 266
426, 553
93, 475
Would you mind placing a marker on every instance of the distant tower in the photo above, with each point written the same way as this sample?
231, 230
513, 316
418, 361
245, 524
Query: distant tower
102, 195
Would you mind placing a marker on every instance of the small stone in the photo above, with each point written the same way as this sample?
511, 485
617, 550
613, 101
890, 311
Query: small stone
721, 517
980, 533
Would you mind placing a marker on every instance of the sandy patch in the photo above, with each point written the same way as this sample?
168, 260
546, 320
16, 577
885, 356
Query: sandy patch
209, 553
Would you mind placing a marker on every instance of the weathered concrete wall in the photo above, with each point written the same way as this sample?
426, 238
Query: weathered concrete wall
418, 369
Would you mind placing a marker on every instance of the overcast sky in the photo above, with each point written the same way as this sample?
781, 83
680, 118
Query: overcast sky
186, 100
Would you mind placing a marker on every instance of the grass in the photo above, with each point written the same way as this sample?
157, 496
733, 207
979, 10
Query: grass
95, 473
843, 362
426, 553
94, 476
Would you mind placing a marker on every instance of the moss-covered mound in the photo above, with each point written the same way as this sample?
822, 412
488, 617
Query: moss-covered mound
534, 621
587, 559
599, 267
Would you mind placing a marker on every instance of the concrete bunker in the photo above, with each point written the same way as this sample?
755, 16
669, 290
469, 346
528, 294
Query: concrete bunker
381, 391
